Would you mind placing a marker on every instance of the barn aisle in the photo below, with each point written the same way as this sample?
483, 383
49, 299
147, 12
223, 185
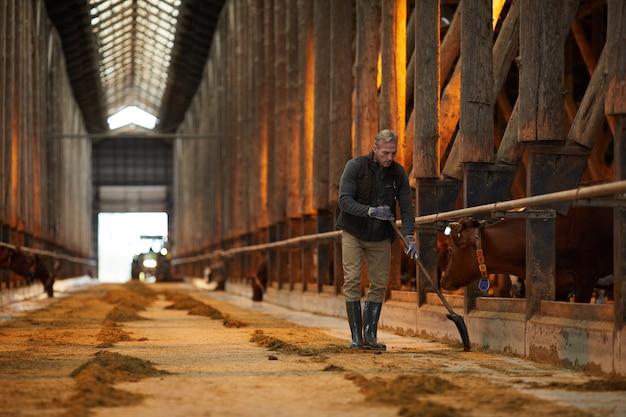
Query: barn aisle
172, 350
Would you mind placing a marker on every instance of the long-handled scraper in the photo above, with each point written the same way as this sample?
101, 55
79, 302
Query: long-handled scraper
456, 319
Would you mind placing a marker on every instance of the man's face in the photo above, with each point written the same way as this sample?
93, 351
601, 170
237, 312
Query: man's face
385, 153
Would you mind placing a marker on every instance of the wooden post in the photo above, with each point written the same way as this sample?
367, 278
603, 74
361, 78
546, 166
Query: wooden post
321, 129
426, 132
321, 134
309, 272
615, 105
295, 256
504, 52
270, 120
541, 72
366, 70
540, 118
280, 140
619, 222
426, 157
341, 85
293, 144
509, 151
306, 105
476, 126
449, 52
393, 98
393, 65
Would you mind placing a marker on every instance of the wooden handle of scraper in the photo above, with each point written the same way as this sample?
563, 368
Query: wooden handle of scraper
423, 268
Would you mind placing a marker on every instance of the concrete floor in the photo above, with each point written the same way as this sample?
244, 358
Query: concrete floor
214, 370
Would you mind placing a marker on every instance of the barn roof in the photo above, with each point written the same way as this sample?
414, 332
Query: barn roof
144, 53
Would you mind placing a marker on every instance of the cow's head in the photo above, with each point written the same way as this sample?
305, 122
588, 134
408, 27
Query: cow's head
457, 255
23, 264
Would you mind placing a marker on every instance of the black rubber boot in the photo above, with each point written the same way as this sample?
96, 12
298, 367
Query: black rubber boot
356, 324
371, 314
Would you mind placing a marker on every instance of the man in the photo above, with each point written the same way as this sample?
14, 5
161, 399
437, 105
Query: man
369, 188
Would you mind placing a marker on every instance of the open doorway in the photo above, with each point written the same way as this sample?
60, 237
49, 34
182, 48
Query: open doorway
119, 239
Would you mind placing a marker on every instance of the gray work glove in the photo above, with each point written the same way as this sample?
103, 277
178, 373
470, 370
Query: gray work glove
411, 249
380, 213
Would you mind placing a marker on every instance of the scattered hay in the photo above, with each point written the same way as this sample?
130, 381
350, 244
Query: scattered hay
125, 298
184, 304
206, 310
123, 313
111, 333
232, 323
128, 301
142, 289
118, 368
278, 345
193, 306
94, 382
404, 389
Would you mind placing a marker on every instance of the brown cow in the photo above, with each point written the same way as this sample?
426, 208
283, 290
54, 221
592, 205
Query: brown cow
583, 251
29, 267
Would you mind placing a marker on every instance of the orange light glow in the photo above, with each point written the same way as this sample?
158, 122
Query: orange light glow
379, 71
497, 9
309, 113
405, 154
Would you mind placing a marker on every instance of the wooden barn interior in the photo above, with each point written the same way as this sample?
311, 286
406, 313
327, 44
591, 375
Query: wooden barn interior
505, 111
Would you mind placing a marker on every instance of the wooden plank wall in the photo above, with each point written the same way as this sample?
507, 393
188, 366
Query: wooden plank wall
279, 118
45, 181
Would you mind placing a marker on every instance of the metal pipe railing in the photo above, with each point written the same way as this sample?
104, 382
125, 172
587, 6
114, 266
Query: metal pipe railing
556, 197
42, 252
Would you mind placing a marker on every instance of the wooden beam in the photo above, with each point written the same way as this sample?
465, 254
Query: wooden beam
321, 129
451, 44
616, 50
476, 127
393, 65
269, 120
367, 49
615, 105
261, 87
341, 83
509, 151
294, 115
426, 104
279, 151
449, 52
541, 71
307, 80
504, 51
590, 115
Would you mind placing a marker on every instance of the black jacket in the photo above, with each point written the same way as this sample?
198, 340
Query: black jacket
365, 184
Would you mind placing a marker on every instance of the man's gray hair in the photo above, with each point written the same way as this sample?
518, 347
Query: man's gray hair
385, 136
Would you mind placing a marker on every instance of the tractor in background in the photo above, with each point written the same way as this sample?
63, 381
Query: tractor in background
155, 264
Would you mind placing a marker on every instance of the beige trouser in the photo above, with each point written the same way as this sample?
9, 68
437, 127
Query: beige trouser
377, 254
